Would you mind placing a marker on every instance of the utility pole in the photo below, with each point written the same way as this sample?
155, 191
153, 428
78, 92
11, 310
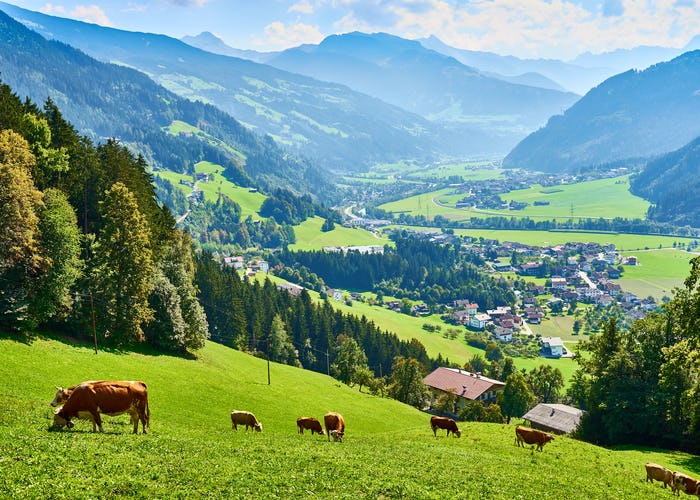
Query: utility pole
92, 314
268, 360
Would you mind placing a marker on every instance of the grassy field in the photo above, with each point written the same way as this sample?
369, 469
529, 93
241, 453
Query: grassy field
409, 327
250, 202
592, 199
191, 451
310, 237
658, 272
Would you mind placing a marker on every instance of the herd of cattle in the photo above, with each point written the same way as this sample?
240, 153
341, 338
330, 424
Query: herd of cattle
89, 400
676, 480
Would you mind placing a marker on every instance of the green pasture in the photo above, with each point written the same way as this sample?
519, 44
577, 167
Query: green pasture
310, 237
658, 272
407, 327
180, 127
191, 451
584, 200
249, 201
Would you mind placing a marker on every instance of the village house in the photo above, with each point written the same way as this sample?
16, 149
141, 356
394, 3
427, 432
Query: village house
470, 307
559, 283
466, 385
552, 347
235, 262
460, 317
479, 321
290, 288
335, 294
503, 333
555, 418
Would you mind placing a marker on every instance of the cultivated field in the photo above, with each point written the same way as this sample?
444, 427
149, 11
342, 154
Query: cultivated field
191, 451
593, 199
310, 237
658, 272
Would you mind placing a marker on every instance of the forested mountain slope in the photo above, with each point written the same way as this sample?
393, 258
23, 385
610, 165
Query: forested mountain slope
672, 182
105, 100
637, 114
330, 123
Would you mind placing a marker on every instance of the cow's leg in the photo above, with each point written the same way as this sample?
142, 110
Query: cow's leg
96, 419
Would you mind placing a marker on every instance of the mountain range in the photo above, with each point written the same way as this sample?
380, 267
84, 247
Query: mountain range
395, 100
106, 100
628, 118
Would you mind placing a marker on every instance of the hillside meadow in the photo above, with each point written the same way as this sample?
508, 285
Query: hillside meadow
389, 450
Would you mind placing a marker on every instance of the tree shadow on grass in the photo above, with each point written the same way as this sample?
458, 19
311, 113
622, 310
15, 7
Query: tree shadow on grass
82, 342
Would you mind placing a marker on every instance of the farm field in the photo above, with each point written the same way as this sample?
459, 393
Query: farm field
659, 272
250, 202
191, 450
623, 242
591, 199
310, 237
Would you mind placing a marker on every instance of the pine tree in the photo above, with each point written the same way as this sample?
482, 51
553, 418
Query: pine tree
124, 268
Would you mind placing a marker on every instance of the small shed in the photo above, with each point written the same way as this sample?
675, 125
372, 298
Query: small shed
556, 418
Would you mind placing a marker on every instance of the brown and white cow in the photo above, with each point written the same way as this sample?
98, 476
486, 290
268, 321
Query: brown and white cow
335, 426
660, 473
686, 484
309, 423
444, 423
531, 436
240, 417
110, 397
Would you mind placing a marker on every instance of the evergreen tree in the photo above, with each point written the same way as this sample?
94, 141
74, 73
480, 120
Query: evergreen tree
124, 268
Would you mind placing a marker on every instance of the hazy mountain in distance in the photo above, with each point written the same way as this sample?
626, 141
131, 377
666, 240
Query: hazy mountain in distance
573, 77
109, 101
212, 43
423, 81
338, 128
636, 58
633, 115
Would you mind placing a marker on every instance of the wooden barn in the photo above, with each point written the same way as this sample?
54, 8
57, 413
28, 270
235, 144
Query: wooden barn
555, 418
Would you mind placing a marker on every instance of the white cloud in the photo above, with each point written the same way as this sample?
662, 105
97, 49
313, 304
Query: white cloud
52, 9
302, 7
278, 35
536, 28
90, 14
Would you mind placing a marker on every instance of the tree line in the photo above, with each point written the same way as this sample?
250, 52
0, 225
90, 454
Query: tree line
415, 268
84, 244
260, 319
641, 385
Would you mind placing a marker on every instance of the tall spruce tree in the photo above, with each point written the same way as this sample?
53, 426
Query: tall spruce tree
124, 268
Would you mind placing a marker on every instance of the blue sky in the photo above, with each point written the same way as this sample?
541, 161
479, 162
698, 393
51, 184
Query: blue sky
559, 29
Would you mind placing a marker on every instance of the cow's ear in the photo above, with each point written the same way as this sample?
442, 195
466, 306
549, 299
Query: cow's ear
58, 388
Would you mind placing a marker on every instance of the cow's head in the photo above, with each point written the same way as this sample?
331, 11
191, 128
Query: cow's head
60, 397
60, 421
337, 436
548, 438
258, 427
458, 433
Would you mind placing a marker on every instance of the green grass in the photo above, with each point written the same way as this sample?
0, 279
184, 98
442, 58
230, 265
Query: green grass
310, 237
250, 202
592, 199
191, 451
659, 272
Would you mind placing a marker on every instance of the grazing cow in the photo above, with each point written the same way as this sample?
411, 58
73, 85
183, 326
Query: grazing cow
660, 473
335, 426
531, 436
309, 423
444, 423
686, 484
240, 417
109, 397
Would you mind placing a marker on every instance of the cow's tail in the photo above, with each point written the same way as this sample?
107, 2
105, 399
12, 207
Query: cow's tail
148, 416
